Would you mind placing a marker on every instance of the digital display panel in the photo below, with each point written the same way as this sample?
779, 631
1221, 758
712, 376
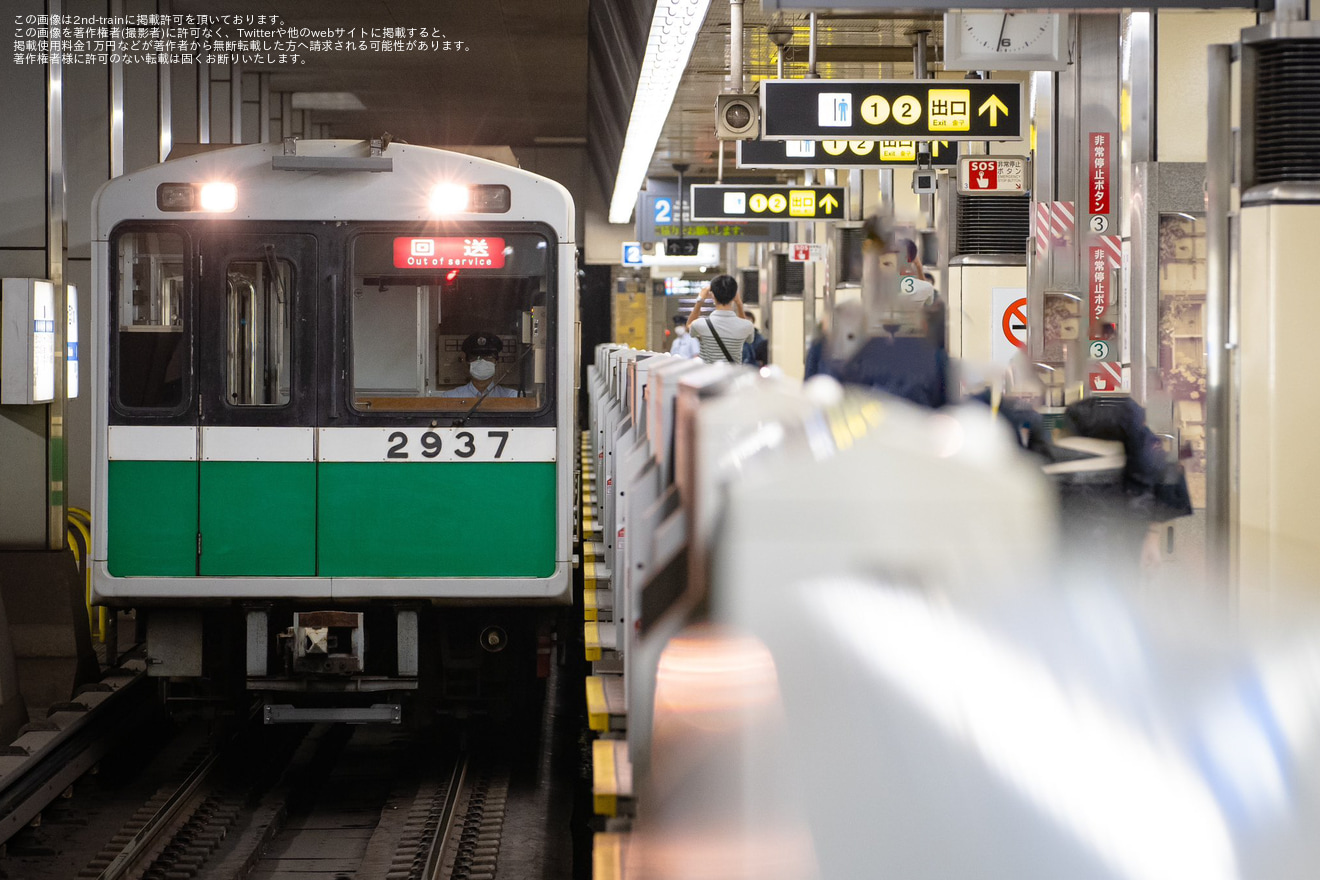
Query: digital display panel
477, 252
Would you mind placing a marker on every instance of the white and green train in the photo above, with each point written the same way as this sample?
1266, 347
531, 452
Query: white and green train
334, 413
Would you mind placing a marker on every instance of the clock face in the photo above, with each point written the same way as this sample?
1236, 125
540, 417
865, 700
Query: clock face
1008, 33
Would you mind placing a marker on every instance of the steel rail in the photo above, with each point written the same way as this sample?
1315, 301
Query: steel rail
139, 846
446, 826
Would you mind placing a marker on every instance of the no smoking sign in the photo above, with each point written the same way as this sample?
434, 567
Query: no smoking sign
1008, 330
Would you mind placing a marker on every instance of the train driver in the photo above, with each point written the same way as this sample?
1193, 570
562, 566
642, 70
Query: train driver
482, 352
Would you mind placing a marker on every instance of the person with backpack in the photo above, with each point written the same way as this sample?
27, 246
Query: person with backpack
756, 351
722, 333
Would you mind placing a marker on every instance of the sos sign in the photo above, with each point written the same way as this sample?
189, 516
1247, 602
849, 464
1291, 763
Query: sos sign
997, 175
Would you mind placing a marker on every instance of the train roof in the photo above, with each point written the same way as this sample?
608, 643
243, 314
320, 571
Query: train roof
326, 181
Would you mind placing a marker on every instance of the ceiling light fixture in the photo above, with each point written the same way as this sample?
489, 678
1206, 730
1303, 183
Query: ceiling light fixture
674, 31
326, 101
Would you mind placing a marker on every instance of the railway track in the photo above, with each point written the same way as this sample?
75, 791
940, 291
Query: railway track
332, 801
279, 802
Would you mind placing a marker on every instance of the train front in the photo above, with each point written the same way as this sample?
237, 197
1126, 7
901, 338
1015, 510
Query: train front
334, 408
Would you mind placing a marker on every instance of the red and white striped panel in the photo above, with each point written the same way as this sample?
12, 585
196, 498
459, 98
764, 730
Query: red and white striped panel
1113, 246
1055, 222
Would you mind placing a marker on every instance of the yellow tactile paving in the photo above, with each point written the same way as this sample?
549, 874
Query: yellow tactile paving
598, 713
611, 775
607, 855
591, 638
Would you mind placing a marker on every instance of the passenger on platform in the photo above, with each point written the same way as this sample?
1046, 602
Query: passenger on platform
935, 311
815, 352
913, 265
756, 351
1118, 524
482, 353
723, 333
685, 344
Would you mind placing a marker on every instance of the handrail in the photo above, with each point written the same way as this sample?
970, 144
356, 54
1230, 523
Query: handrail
96, 621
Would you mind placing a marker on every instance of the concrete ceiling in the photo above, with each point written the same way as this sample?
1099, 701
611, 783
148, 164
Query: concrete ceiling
848, 47
522, 82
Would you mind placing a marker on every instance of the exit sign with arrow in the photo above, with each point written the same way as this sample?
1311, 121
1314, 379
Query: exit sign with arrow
761, 203
880, 110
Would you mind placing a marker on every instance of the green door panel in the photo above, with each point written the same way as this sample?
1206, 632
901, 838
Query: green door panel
152, 518
258, 518
436, 519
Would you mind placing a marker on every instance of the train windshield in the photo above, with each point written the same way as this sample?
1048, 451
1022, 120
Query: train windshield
450, 322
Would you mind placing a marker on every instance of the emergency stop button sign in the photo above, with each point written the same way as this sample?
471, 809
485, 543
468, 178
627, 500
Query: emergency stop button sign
994, 175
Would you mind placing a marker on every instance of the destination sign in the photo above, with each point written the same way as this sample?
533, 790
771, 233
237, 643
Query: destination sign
928, 109
779, 203
842, 154
449, 253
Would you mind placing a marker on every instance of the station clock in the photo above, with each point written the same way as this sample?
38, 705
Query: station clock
1005, 41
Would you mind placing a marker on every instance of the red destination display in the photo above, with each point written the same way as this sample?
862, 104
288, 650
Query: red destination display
449, 253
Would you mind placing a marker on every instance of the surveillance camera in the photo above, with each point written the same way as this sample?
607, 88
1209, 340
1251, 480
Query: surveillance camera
923, 182
737, 117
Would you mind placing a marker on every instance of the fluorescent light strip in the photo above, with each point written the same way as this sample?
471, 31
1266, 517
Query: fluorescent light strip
674, 31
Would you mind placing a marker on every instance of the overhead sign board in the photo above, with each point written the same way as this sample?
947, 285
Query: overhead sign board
948, 110
658, 219
841, 154
778, 203
994, 175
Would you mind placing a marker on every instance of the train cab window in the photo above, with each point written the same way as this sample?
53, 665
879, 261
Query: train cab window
152, 356
257, 324
450, 323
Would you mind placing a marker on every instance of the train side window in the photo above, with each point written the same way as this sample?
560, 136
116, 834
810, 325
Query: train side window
152, 354
257, 332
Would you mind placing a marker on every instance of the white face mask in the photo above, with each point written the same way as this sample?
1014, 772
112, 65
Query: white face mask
481, 369
680, 331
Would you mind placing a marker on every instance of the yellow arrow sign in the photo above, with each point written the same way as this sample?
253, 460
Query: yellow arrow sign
995, 106
935, 147
829, 203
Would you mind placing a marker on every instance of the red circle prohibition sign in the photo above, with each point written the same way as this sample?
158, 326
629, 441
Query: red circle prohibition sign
1015, 318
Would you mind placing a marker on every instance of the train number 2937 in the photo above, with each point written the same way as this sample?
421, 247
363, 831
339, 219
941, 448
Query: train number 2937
432, 444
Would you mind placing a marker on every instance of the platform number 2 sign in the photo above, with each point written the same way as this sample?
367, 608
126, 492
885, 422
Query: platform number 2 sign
664, 210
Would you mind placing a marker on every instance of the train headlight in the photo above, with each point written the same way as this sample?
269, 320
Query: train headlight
449, 198
219, 198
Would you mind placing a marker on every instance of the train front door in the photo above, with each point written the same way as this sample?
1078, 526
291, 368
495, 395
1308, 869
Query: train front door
257, 369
